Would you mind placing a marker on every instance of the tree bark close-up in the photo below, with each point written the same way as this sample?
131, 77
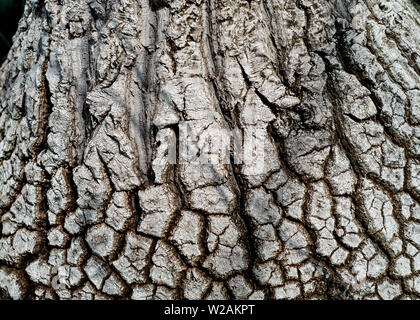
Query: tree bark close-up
209, 149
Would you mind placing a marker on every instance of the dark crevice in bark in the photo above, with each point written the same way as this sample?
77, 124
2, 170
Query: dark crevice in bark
350, 152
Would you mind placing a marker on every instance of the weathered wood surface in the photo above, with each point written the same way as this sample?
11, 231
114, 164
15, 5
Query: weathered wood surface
97, 96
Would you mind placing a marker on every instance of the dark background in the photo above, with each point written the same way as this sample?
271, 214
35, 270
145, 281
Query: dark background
11, 11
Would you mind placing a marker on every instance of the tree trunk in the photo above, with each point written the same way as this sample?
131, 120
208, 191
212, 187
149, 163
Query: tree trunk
211, 150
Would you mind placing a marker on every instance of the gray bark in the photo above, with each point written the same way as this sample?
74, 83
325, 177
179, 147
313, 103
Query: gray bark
113, 182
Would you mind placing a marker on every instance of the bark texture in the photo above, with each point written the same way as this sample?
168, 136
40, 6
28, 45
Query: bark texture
94, 93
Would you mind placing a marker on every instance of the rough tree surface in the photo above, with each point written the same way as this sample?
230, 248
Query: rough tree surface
95, 93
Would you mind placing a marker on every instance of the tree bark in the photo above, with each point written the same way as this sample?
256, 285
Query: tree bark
205, 149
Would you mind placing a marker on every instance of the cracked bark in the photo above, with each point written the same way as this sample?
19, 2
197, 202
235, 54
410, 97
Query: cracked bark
95, 93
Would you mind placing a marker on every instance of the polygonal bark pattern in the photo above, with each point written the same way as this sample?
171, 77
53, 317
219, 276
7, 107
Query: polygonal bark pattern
96, 96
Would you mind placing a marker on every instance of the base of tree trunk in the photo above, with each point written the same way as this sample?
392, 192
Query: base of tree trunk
211, 150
